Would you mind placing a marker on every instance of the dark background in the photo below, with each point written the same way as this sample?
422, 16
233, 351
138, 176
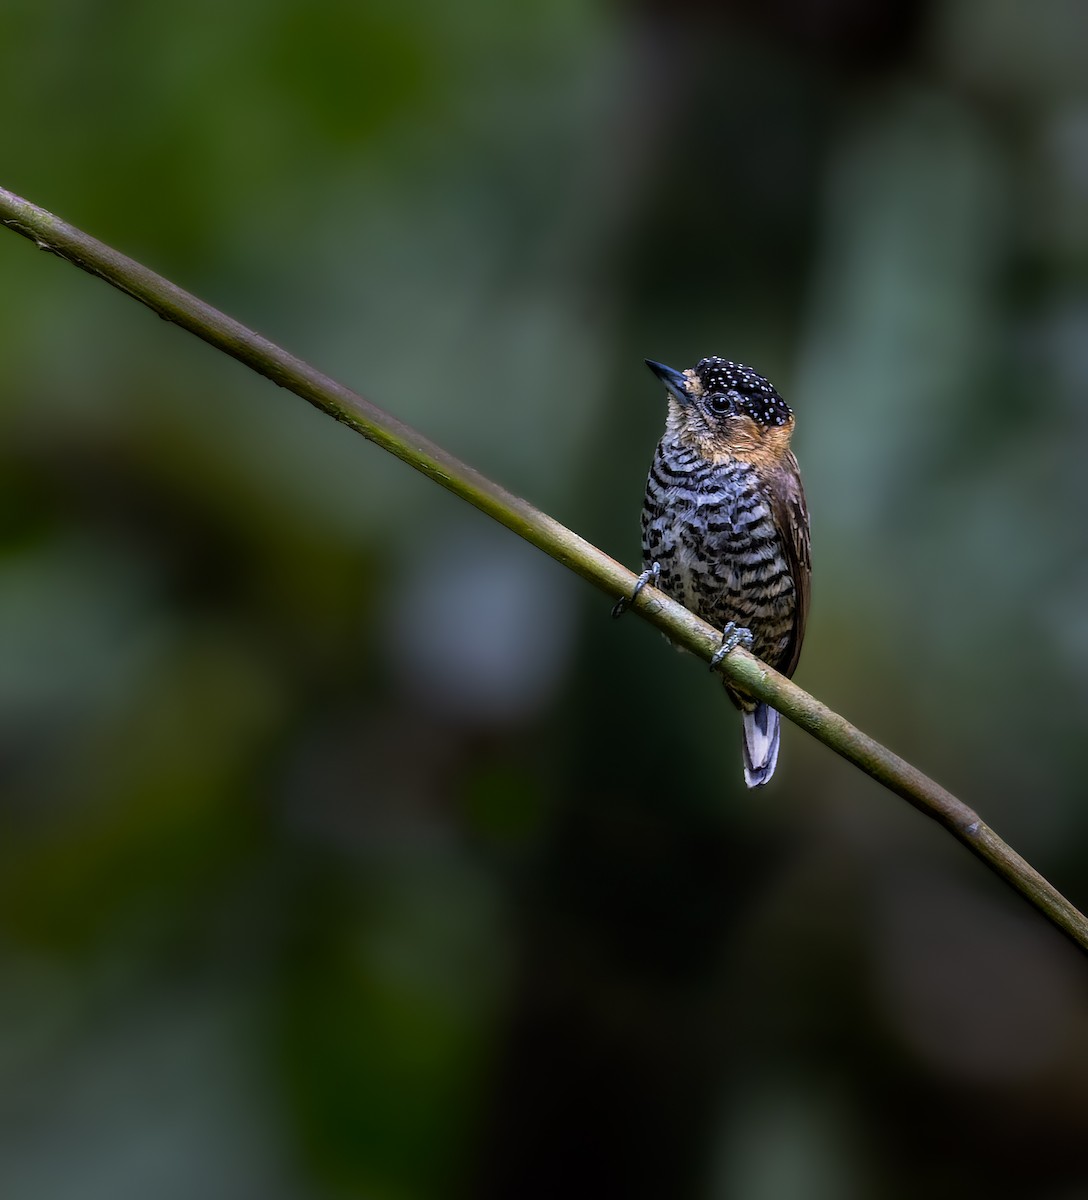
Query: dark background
347, 849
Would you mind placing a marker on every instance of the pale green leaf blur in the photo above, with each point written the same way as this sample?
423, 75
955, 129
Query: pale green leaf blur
347, 848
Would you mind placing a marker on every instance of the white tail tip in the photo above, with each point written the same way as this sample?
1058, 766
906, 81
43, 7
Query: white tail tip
761, 732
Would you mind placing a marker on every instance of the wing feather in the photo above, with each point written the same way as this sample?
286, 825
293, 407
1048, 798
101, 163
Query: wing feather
791, 518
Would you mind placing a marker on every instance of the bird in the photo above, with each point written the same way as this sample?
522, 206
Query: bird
725, 528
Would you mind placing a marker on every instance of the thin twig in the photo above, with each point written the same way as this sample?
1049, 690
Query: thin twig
682, 627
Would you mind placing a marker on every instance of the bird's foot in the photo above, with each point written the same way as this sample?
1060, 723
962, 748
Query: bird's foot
733, 635
623, 604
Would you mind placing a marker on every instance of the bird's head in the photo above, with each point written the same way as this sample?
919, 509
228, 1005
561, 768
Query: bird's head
726, 411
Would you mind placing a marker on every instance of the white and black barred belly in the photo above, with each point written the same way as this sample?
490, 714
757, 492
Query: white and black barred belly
711, 529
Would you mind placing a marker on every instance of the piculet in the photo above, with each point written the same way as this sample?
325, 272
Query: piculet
725, 528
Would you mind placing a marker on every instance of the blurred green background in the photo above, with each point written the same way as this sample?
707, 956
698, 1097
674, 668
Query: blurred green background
347, 848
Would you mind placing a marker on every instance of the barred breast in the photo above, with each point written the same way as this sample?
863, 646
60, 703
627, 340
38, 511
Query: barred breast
711, 529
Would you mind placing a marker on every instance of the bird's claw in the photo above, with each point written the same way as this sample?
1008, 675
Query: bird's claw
733, 635
625, 602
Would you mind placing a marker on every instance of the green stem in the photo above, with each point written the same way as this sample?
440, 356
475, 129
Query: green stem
682, 627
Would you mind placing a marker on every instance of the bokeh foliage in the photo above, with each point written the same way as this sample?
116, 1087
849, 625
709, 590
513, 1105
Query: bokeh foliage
347, 848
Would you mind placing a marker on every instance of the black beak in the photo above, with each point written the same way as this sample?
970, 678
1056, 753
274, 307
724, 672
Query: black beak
672, 379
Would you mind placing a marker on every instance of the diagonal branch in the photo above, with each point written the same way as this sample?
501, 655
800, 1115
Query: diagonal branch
682, 627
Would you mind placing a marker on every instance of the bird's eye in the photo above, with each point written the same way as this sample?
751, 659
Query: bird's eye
718, 404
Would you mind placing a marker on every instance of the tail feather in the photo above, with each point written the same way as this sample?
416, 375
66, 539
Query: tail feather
761, 733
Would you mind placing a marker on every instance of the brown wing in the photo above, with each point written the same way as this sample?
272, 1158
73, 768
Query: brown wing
791, 518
